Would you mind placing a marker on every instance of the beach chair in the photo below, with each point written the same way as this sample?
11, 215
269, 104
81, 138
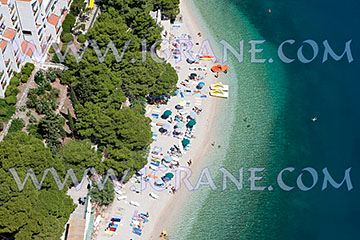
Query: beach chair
137, 231
116, 216
109, 233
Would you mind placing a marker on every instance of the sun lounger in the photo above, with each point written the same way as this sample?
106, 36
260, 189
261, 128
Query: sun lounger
155, 164
123, 197
137, 231
110, 233
117, 216
136, 204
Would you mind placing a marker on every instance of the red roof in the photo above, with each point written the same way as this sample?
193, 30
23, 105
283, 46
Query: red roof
3, 45
27, 48
9, 34
53, 19
4, 2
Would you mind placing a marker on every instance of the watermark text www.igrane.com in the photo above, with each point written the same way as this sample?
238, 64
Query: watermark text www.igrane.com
305, 181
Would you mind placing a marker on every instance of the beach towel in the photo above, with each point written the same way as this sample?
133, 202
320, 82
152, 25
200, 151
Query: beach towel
155, 164
182, 95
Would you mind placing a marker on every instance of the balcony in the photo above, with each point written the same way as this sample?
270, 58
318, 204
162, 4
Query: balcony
7, 63
35, 11
14, 18
2, 28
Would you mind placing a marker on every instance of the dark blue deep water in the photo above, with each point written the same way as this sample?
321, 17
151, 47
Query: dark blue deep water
283, 134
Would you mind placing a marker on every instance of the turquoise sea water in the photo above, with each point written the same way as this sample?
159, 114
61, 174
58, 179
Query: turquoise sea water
279, 101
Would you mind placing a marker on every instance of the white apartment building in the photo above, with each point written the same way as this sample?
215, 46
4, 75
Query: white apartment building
27, 29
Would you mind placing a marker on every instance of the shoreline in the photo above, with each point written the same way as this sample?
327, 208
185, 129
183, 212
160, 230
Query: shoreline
162, 210
169, 213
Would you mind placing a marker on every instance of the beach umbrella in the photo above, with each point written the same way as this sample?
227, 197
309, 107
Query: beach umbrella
185, 142
191, 123
178, 107
193, 115
193, 74
167, 159
190, 61
166, 126
200, 85
169, 175
180, 125
166, 114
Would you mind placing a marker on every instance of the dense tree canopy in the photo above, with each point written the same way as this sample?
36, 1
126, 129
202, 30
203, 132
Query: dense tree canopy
104, 197
79, 155
169, 8
100, 88
29, 213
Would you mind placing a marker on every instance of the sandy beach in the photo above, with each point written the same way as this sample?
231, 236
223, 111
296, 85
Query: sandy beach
139, 198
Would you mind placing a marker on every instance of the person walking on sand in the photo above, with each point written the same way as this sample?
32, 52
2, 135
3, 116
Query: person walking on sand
189, 162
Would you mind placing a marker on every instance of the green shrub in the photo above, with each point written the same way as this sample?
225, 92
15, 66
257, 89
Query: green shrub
24, 78
68, 23
3, 112
26, 71
34, 130
82, 27
15, 81
30, 66
51, 50
11, 90
67, 37
40, 78
81, 38
63, 48
6, 111
55, 59
28, 113
51, 75
11, 100
16, 125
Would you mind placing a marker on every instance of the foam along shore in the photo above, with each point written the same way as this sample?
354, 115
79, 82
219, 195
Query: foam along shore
181, 131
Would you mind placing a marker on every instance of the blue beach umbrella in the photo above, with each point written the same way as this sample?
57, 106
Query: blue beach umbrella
166, 114
191, 123
185, 142
200, 85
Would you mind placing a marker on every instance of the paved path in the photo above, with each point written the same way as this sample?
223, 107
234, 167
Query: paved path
22, 97
45, 66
